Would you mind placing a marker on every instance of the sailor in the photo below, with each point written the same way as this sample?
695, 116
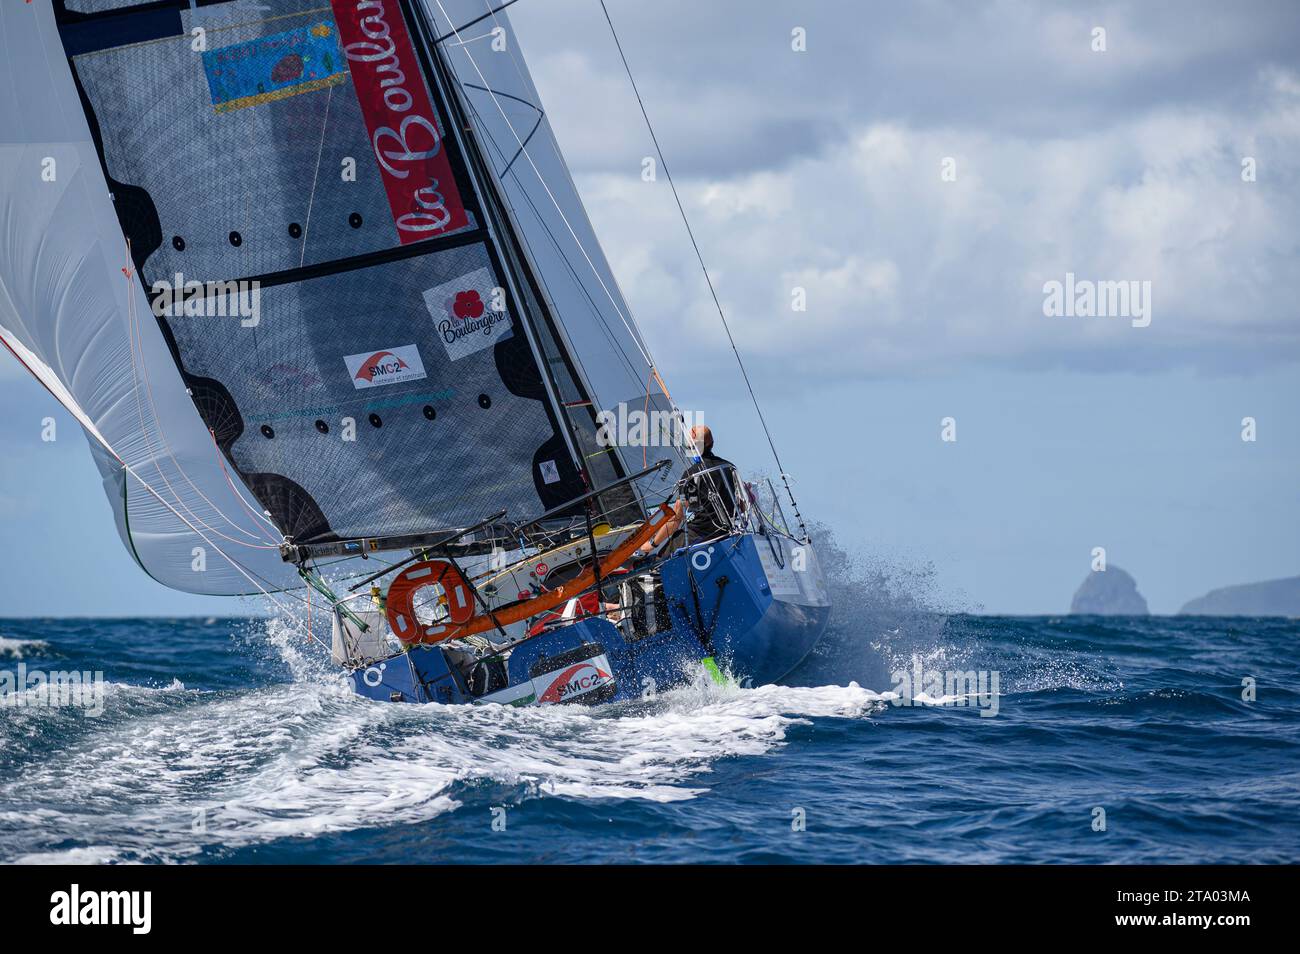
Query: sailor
709, 498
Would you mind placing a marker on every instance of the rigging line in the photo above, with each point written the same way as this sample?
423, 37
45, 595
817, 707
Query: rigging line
613, 342
604, 325
501, 109
473, 39
135, 337
527, 139
479, 19
221, 461
320, 151
504, 95
246, 574
700, 256
9, 340
645, 448
600, 319
525, 84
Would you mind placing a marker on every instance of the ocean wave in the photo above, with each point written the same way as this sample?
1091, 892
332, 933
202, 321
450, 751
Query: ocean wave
89, 855
308, 758
21, 648
258, 750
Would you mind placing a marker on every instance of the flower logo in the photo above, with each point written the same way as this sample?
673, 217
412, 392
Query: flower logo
468, 304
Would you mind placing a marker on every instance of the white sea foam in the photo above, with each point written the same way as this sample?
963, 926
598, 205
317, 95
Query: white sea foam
169, 772
92, 855
231, 769
20, 648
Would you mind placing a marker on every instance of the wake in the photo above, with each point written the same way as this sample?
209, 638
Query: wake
170, 774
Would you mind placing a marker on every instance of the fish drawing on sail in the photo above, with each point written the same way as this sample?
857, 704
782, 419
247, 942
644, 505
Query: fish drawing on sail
317, 284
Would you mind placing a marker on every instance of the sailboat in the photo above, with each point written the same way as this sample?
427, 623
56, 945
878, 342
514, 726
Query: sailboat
314, 279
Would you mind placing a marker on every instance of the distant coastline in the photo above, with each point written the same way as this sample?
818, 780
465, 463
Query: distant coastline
1269, 598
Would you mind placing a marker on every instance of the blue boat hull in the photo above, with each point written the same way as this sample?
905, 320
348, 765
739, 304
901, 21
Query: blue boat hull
756, 603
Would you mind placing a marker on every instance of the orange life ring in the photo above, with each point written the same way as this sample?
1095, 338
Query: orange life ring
522, 610
401, 597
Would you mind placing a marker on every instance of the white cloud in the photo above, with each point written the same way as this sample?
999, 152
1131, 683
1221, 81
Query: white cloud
823, 170
906, 271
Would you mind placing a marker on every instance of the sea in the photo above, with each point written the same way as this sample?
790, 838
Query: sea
913, 734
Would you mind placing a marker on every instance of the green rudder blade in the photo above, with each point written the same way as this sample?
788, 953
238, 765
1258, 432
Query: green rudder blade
714, 672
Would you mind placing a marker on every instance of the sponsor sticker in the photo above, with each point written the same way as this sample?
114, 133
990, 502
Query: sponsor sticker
463, 317
387, 366
274, 67
405, 133
574, 681
550, 472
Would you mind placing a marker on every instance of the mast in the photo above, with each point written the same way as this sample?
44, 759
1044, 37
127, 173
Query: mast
431, 60
519, 268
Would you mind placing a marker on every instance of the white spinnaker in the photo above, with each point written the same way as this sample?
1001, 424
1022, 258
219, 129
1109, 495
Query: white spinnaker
71, 315
558, 236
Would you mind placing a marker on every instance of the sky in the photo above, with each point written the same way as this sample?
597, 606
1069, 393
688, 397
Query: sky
916, 174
